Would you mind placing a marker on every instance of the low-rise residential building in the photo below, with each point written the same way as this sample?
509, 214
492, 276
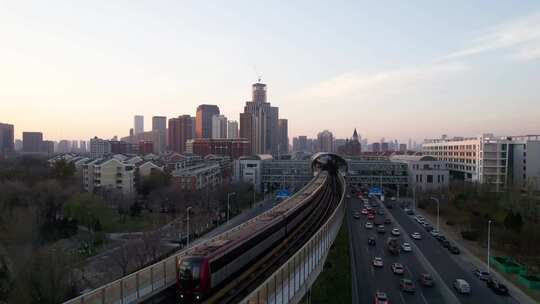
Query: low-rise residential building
425, 172
197, 177
108, 174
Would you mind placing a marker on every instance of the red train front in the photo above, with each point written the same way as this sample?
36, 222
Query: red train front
193, 278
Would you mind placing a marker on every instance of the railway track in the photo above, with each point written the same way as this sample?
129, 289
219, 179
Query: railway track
236, 290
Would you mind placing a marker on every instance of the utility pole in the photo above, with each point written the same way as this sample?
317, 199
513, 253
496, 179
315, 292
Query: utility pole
488, 245
187, 211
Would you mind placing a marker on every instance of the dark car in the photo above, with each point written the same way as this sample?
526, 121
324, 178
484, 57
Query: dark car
387, 221
428, 228
381, 229
454, 249
380, 212
407, 285
371, 241
426, 279
445, 243
497, 287
389, 206
410, 212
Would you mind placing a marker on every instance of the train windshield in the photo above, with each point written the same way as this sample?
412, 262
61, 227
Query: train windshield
189, 273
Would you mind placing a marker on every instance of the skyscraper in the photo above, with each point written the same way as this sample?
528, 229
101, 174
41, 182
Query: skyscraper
180, 130
138, 124
32, 141
259, 122
219, 126
283, 136
325, 141
203, 120
6, 138
159, 128
232, 129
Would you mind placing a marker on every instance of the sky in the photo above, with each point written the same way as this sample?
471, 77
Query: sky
393, 69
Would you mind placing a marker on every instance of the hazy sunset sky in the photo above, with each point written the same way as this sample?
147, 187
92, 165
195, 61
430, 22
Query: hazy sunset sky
393, 69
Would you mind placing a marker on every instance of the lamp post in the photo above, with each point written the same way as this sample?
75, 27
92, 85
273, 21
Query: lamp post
488, 244
228, 207
187, 211
437, 201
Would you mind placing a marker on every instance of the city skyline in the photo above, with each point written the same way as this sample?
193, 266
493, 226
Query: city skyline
439, 80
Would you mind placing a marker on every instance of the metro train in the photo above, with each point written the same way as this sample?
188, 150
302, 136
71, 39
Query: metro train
210, 266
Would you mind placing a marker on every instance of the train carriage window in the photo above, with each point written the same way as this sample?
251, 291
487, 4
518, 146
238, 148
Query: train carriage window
189, 273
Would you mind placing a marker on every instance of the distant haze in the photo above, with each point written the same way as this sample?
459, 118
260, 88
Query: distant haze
75, 70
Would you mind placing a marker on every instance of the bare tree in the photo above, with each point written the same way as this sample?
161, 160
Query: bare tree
122, 256
152, 242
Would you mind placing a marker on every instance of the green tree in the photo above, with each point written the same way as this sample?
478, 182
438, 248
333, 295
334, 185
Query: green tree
63, 170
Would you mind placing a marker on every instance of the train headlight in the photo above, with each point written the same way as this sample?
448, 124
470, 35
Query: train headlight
197, 297
181, 296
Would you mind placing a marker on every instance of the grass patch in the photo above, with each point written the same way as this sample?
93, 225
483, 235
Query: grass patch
334, 284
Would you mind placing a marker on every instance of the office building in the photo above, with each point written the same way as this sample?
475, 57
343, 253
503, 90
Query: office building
402, 147
203, 120
138, 124
159, 127
18, 145
6, 138
219, 126
145, 147
47, 146
300, 144
325, 141
259, 122
234, 148
180, 130
64, 146
283, 143
82, 146
511, 161
32, 141
232, 129
425, 172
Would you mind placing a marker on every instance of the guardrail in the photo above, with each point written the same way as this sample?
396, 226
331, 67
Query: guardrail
144, 283
295, 277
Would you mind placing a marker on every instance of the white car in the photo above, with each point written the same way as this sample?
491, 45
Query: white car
378, 262
395, 232
368, 225
416, 236
435, 232
406, 247
462, 286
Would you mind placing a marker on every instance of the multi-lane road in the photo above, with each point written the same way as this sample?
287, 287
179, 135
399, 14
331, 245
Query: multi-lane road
427, 256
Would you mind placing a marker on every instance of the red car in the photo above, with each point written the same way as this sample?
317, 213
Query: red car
371, 216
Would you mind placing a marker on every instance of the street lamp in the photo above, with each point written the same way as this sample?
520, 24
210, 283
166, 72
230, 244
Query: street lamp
488, 244
437, 201
187, 211
228, 208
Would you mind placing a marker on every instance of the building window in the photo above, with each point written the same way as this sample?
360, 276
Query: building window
429, 179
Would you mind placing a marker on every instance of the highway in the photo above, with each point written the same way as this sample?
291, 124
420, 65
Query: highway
427, 256
370, 279
447, 265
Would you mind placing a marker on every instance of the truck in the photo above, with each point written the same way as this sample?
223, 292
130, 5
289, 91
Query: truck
392, 245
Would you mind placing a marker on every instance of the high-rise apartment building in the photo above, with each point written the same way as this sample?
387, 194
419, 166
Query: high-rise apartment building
498, 161
325, 141
219, 126
138, 124
259, 122
64, 146
159, 128
180, 130
6, 138
32, 141
232, 129
203, 120
283, 143
300, 144
99, 147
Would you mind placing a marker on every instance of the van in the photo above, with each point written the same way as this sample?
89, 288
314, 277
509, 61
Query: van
462, 286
